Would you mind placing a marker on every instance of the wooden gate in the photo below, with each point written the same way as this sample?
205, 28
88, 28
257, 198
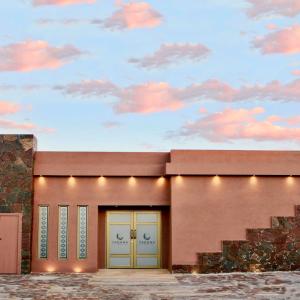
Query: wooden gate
10, 243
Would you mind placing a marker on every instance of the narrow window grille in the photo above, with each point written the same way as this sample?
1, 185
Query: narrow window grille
82, 232
43, 232
63, 232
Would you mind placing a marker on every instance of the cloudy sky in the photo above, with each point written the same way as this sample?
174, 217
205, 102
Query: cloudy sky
105, 75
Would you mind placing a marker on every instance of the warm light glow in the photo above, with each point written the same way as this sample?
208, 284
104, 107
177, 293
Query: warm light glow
194, 273
42, 180
77, 270
161, 181
50, 269
253, 180
216, 180
71, 181
290, 180
178, 179
101, 180
255, 267
132, 181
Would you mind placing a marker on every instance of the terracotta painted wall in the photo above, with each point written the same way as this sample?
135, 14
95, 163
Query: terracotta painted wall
208, 209
91, 191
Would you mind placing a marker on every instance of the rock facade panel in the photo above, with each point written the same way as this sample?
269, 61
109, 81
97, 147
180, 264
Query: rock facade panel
16, 185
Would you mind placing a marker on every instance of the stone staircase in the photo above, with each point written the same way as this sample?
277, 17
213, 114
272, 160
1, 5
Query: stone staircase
268, 249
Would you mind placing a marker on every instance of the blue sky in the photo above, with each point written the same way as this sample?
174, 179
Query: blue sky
66, 77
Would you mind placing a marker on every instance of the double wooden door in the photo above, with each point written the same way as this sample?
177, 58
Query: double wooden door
133, 239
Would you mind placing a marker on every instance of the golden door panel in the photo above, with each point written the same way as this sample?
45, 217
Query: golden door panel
133, 239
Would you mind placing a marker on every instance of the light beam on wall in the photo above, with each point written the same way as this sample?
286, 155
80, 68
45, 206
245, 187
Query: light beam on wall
71, 181
42, 180
132, 181
101, 180
290, 180
179, 179
216, 180
77, 270
253, 180
161, 181
50, 269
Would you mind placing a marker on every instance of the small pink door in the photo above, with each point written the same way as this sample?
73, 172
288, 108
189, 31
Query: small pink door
10, 243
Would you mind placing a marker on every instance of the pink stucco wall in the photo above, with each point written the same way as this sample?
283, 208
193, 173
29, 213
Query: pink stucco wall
94, 192
205, 209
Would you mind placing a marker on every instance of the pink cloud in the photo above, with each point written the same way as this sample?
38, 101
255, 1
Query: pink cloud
7, 107
160, 96
285, 41
89, 88
172, 53
237, 124
35, 55
296, 72
148, 98
61, 2
133, 15
26, 126
260, 8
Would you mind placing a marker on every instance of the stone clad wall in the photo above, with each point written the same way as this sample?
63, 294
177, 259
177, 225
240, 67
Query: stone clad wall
16, 185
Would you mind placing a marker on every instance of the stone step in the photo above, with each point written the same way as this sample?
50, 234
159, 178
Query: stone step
284, 222
209, 262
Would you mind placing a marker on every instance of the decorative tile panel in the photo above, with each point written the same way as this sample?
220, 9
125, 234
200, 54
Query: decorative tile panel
63, 232
43, 231
82, 232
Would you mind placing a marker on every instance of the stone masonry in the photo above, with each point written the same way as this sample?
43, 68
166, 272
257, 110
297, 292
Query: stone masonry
16, 185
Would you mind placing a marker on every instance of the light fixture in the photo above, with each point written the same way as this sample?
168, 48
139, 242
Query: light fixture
50, 269
77, 270
132, 181
71, 181
253, 180
161, 180
216, 180
290, 180
42, 180
101, 180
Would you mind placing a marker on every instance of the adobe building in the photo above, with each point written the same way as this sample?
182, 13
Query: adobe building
183, 210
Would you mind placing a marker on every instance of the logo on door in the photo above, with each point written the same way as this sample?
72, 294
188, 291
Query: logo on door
147, 236
120, 237
146, 239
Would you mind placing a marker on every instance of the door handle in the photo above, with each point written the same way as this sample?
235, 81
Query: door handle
132, 234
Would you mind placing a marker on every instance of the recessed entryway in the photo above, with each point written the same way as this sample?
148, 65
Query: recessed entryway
133, 239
